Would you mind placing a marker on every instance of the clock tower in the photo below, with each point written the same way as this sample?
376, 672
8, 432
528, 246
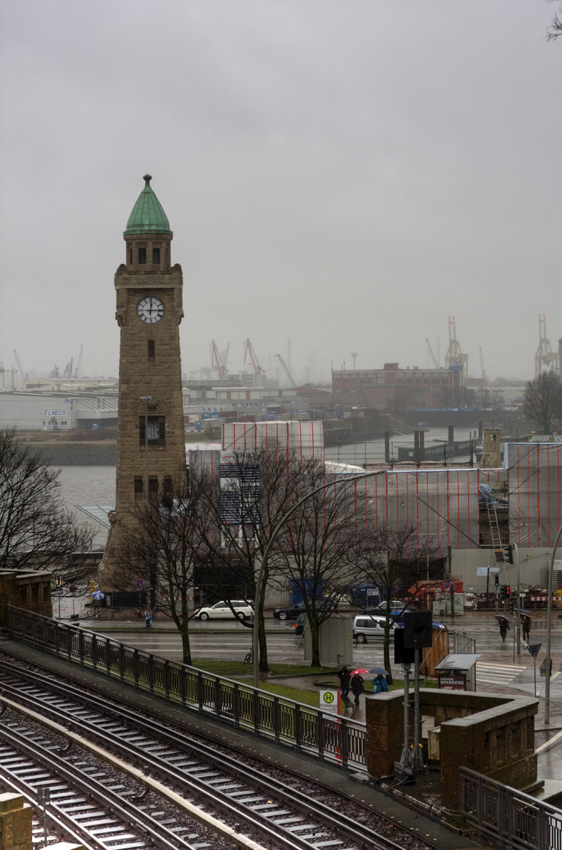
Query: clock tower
150, 429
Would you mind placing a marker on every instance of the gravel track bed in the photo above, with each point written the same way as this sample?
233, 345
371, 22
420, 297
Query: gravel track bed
337, 802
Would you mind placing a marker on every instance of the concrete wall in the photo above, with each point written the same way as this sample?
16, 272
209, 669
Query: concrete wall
493, 735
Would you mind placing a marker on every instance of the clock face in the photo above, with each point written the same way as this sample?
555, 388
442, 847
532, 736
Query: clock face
150, 310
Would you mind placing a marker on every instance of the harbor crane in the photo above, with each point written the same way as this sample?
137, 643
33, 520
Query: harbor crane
432, 355
20, 367
217, 362
545, 359
454, 358
249, 354
77, 372
286, 370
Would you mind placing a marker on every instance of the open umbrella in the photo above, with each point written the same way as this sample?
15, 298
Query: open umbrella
360, 671
97, 595
501, 617
378, 671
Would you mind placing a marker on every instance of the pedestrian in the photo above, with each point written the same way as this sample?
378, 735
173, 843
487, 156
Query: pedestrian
357, 687
148, 618
344, 676
380, 684
526, 624
504, 626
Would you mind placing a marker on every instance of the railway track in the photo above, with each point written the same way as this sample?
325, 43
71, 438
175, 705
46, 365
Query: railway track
262, 810
86, 802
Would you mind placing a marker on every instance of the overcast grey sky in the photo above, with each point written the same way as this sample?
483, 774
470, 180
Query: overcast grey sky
342, 173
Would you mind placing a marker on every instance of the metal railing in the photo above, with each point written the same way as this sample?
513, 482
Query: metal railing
337, 739
504, 814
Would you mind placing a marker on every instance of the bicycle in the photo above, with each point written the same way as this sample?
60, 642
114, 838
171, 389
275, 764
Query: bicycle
249, 657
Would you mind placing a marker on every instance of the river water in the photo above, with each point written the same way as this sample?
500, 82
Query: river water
95, 485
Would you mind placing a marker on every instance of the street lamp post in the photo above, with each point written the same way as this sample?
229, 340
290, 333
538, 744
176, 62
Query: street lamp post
548, 660
271, 541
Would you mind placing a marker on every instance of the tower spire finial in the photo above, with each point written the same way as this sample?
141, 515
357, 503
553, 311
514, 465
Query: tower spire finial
147, 178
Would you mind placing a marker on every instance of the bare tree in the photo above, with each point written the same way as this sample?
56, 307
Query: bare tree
257, 489
542, 402
320, 544
163, 544
36, 531
555, 28
394, 561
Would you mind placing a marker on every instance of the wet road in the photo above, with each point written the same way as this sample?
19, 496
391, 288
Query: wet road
500, 669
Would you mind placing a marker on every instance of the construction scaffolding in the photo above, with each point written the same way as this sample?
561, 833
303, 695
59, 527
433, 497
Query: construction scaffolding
535, 493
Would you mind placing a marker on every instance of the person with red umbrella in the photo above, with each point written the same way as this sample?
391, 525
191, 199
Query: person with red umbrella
357, 686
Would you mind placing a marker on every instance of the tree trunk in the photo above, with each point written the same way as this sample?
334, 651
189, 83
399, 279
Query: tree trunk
186, 648
386, 650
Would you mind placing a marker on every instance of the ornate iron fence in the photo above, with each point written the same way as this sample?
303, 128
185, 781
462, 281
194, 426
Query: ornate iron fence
337, 739
504, 814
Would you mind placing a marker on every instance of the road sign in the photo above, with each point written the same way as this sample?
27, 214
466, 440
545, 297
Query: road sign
73, 588
534, 648
58, 580
330, 700
140, 582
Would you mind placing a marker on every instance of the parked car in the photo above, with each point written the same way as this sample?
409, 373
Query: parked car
299, 625
395, 606
291, 612
222, 610
369, 626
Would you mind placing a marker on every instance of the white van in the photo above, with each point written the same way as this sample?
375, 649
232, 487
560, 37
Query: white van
369, 626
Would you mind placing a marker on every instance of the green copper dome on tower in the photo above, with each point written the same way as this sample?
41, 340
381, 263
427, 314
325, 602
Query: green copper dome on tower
147, 215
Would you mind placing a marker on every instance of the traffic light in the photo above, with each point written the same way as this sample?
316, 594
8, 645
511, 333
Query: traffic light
497, 580
502, 592
508, 552
507, 591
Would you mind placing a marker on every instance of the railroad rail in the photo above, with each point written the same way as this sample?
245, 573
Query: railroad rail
267, 807
88, 805
340, 740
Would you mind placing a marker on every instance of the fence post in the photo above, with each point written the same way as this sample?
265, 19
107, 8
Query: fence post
344, 740
200, 694
151, 673
256, 710
321, 734
183, 684
236, 704
298, 727
276, 718
218, 697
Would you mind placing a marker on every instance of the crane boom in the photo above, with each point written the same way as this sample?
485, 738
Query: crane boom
286, 369
20, 367
250, 354
432, 354
217, 361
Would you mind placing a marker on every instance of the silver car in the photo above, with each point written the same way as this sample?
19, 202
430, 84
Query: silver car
223, 610
369, 626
